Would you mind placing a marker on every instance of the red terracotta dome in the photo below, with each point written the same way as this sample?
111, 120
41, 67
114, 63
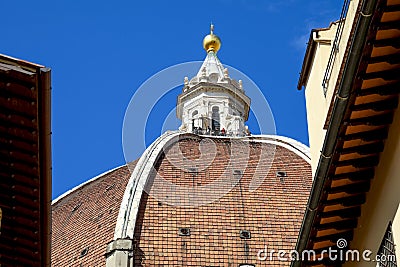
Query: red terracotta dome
262, 205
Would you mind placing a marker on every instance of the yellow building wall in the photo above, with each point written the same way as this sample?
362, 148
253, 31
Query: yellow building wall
317, 103
383, 199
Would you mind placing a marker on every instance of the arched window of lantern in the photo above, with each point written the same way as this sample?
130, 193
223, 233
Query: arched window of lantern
215, 125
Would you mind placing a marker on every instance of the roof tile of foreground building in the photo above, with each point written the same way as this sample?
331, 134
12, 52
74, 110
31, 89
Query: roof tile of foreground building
193, 235
25, 164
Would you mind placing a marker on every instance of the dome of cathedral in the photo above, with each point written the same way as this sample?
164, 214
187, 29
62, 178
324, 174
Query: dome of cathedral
84, 218
227, 231
210, 194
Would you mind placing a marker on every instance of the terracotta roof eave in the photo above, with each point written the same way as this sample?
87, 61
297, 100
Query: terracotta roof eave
338, 113
44, 83
309, 55
19, 62
305, 68
329, 27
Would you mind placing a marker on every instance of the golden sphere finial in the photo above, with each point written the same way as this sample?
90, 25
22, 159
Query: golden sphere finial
212, 42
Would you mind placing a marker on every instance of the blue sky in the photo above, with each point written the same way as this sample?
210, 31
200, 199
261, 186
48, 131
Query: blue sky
100, 52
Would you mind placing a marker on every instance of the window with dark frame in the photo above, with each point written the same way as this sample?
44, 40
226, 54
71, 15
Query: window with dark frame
215, 119
387, 252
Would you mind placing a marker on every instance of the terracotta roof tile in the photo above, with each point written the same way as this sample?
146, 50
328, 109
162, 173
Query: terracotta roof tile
272, 213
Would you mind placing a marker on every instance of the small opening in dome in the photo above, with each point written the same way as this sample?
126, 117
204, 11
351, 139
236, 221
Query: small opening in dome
76, 207
193, 170
245, 234
237, 172
281, 174
184, 231
84, 252
110, 187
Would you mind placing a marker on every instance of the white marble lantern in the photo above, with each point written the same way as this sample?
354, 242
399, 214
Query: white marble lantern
212, 102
